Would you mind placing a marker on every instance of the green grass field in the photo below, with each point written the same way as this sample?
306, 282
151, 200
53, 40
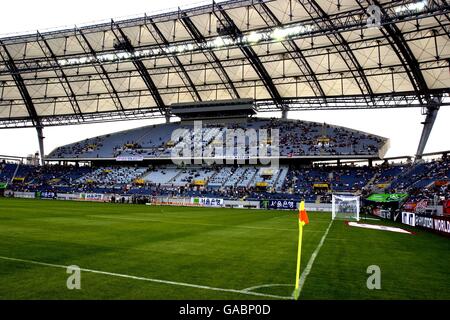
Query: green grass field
200, 253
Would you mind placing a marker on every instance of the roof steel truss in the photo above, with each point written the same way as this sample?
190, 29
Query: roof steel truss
140, 67
34, 72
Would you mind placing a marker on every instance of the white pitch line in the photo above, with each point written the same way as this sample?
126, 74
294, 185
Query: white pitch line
308, 268
267, 286
182, 284
305, 272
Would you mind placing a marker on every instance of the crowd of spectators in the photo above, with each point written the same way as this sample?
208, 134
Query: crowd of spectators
422, 180
296, 138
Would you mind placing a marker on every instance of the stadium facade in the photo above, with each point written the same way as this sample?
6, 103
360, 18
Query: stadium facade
298, 140
225, 63
209, 73
283, 54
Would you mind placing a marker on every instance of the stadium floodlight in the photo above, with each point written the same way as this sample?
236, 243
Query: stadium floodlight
345, 207
107, 57
411, 7
145, 53
218, 42
190, 47
254, 37
279, 34
181, 48
123, 55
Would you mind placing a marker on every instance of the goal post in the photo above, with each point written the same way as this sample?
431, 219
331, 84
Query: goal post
345, 207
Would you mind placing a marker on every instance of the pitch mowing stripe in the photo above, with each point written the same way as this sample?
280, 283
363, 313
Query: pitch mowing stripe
193, 223
182, 284
308, 268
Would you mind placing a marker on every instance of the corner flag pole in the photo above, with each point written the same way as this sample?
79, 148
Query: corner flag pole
302, 220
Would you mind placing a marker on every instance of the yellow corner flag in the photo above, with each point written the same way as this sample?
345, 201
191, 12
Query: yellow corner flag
302, 220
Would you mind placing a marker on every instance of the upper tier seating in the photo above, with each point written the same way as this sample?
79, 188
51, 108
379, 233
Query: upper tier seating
296, 139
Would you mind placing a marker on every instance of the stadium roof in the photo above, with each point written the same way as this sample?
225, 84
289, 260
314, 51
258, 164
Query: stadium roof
284, 54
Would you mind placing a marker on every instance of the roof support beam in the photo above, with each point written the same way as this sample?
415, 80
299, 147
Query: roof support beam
21, 86
211, 56
48, 52
400, 100
430, 112
404, 63
294, 51
101, 71
228, 24
344, 21
140, 67
447, 30
312, 7
40, 135
406, 56
174, 60
28, 101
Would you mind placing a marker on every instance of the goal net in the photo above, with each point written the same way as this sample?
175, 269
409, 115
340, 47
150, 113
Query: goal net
345, 207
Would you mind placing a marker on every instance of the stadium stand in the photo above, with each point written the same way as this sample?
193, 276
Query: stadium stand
247, 177
7, 171
237, 175
220, 178
161, 176
192, 175
297, 139
112, 176
136, 160
386, 174
314, 184
154, 174
422, 175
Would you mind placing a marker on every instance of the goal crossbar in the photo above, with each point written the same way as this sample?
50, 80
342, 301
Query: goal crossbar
345, 207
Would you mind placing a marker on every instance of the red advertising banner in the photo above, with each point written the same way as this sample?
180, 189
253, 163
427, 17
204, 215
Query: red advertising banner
410, 206
440, 183
421, 206
446, 207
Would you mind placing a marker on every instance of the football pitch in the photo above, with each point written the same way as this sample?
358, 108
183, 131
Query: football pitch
156, 252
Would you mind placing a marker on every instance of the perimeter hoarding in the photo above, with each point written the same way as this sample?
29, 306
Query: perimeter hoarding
436, 224
387, 197
45, 195
207, 202
279, 204
91, 197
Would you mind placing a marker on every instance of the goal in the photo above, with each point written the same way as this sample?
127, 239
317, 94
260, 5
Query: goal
345, 207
